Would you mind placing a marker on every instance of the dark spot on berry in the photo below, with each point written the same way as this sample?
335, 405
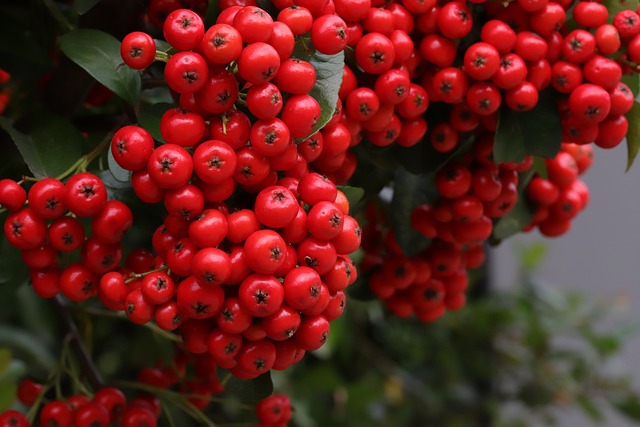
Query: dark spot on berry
16, 228
87, 287
218, 40
200, 308
230, 348
431, 294
377, 57
135, 52
261, 297
190, 76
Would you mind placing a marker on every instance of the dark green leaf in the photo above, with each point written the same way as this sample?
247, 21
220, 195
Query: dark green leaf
84, 6
514, 221
353, 194
162, 45
250, 391
13, 272
540, 167
423, 158
52, 146
409, 191
7, 395
57, 15
26, 346
99, 54
629, 406
633, 135
329, 71
118, 172
213, 10
5, 359
521, 214
633, 81
149, 118
16, 370
147, 217
535, 132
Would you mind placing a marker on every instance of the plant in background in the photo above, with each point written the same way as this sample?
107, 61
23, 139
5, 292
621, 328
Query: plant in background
510, 358
202, 169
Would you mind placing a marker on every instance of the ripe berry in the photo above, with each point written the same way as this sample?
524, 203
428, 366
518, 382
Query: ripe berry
46, 198
131, 147
258, 63
138, 50
25, 230
329, 34
375, 53
199, 301
265, 251
85, 194
183, 29
221, 44
260, 295
170, 166
12, 195
186, 72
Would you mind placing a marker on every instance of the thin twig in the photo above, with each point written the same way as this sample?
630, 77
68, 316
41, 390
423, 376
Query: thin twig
77, 345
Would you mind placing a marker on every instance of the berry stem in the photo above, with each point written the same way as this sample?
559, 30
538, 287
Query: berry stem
77, 345
135, 276
116, 315
162, 56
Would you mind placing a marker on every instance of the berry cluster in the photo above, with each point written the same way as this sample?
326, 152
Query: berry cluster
108, 406
424, 285
561, 196
258, 241
193, 376
49, 224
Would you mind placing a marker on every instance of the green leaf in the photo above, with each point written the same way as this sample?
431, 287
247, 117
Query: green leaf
5, 359
162, 45
213, 10
118, 172
84, 6
535, 132
329, 72
353, 194
52, 146
249, 391
7, 395
633, 81
629, 406
147, 216
149, 118
409, 191
521, 214
16, 370
13, 272
27, 346
633, 134
99, 54
615, 6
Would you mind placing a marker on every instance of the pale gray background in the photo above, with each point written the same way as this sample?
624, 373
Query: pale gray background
600, 255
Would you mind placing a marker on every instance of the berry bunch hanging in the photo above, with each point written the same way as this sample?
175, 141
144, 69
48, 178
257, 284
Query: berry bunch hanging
478, 116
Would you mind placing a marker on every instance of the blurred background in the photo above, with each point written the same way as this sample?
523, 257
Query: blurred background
598, 257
